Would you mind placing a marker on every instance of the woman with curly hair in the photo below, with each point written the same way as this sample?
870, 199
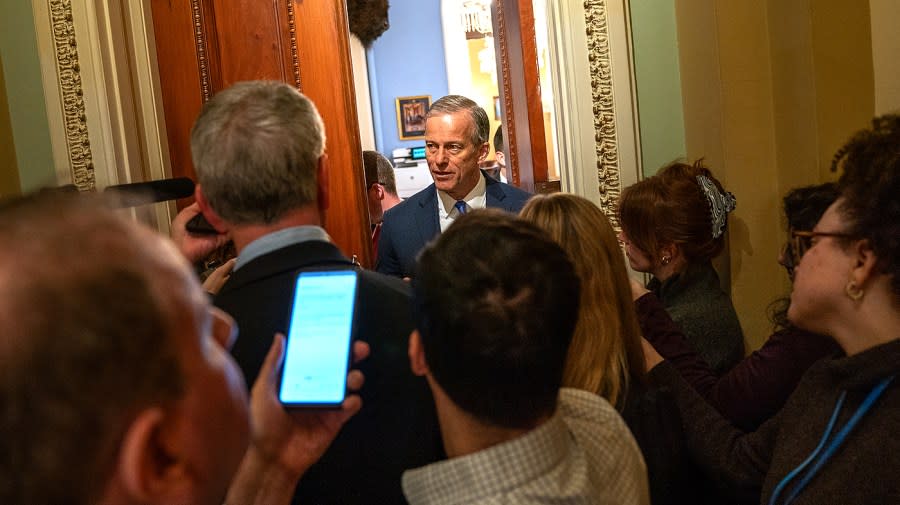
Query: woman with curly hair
835, 440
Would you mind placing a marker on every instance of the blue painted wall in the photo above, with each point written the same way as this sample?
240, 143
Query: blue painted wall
407, 60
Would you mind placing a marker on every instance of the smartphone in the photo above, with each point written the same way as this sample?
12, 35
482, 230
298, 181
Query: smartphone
319, 338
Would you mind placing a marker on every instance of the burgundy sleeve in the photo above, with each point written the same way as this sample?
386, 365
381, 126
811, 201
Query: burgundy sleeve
757, 387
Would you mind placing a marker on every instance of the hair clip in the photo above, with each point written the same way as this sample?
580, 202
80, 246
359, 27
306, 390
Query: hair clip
719, 204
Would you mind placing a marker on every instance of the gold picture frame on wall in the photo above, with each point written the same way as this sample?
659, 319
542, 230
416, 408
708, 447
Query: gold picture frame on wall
411, 111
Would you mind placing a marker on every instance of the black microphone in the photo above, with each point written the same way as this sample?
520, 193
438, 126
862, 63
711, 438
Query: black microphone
142, 193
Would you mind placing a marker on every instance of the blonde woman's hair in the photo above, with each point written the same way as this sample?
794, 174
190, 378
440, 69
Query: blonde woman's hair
605, 351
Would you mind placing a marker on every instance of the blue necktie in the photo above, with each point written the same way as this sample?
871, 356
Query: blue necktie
460, 207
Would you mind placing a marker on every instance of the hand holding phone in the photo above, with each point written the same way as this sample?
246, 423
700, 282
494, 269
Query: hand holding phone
286, 442
320, 334
195, 245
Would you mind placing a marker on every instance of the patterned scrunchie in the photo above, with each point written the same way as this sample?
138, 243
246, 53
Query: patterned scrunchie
719, 205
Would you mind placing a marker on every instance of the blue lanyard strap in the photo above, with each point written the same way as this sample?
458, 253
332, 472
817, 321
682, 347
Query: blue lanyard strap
790, 476
833, 446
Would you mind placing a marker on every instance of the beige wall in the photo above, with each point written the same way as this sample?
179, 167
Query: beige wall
9, 168
770, 90
844, 76
885, 14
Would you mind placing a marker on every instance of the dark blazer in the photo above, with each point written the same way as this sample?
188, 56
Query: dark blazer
413, 223
397, 427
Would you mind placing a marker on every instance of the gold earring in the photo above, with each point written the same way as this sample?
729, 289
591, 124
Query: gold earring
666, 260
853, 291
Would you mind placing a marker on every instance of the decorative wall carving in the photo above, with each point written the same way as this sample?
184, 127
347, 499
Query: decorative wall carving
599, 61
78, 144
200, 43
509, 120
295, 57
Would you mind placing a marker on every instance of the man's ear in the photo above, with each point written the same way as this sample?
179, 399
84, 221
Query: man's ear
148, 469
500, 158
417, 354
211, 215
323, 184
483, 151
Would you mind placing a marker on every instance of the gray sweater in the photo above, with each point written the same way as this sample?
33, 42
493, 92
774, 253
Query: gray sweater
704, 313
863, 470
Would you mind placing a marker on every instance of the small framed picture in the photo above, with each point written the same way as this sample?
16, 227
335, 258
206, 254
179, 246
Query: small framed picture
411, 112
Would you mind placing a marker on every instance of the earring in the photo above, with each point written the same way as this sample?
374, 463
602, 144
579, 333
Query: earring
665, 260
853, 291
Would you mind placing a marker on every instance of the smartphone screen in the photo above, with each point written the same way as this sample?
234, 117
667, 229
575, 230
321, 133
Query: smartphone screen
319, 338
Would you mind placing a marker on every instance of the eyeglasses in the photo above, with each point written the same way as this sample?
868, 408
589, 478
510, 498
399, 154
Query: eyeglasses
801, 241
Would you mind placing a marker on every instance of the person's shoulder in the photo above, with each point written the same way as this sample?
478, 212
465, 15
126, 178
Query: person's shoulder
519, 196
594, 422
515, 190
505, 196
384, 284
423, 195
410, 205
511, 190
702, 278
696, 289
579, 405
601, 433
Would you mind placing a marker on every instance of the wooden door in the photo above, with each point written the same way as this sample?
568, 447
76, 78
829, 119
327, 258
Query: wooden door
203, 46
520, 93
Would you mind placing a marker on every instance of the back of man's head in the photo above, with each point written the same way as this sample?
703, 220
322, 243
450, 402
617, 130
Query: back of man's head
496, 303
256, 147
379, 169
86, 343
498, 140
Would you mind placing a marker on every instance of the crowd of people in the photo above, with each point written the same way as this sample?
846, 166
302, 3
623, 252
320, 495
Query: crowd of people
503, 354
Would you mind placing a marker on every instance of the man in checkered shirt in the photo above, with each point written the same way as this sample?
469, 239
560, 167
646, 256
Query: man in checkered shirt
492, 334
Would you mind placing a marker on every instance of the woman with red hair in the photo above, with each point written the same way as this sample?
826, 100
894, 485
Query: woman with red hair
673, 225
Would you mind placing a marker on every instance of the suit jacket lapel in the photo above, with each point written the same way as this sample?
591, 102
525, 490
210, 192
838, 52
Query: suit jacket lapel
427, 219
494, 193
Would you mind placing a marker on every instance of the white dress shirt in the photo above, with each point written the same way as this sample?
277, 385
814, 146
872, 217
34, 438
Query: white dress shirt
476, 199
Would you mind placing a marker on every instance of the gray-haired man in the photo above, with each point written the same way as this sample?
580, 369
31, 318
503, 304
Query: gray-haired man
258, 150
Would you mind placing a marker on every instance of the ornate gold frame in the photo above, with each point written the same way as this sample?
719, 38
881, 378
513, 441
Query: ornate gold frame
599, 61
401, 130
68, 70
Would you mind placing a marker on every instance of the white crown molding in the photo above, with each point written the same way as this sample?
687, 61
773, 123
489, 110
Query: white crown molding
61, 74
101, 86
596, 121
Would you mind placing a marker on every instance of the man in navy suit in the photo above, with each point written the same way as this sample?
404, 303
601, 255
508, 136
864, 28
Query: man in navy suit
456, 141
